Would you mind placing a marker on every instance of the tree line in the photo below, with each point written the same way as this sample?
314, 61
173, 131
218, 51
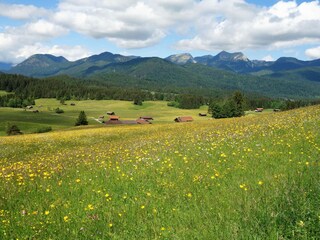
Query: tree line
23, 90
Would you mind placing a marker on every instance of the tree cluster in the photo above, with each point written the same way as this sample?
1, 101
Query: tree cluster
233, 107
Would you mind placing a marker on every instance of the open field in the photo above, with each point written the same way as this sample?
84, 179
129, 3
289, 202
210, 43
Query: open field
245, 178
29, 122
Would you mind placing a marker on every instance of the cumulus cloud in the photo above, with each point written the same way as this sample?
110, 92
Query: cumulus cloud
199, 24
13, 39
268, 58
22, 12
282, 25
71, 53
313, 53
127, 23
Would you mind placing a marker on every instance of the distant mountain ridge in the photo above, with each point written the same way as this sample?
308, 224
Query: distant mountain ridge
5, 66
285, 77
42, 65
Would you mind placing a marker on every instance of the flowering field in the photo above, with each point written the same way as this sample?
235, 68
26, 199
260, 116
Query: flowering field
247, 178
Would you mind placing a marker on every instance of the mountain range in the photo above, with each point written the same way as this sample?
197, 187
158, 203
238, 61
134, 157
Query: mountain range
285, 77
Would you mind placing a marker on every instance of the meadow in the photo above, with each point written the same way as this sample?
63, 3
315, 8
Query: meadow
29, 122
242, 178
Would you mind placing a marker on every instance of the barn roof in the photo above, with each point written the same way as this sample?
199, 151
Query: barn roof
114, 117
146, 118
184, 119
143, 121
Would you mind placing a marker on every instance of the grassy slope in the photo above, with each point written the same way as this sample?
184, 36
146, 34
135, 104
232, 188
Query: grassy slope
28, 121
246, 178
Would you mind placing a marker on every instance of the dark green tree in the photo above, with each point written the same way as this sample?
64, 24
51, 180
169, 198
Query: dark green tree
216, 110
238, 99
12, 129
82, 119
137, 101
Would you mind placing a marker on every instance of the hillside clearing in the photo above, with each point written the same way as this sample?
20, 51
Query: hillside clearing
28, 121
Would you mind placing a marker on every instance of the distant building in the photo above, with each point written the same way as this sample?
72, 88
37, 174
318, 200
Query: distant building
184, 119
142, 121
259, 110
202, 114
114, 120
148, 118
111, 113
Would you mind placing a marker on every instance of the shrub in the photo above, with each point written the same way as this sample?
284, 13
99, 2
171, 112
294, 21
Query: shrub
12, 129
44, 129
58, 110
173, 104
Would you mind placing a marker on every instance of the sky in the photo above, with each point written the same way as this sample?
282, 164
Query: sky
262, 30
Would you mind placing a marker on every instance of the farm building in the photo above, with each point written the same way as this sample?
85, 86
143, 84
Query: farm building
113, 120
202, 114
111, 113
116, 120
184, 119
148, 118
142, 121
258, 110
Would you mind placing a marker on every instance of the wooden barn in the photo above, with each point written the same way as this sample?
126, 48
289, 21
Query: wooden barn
184, 119
202, 114
114, 120
142, 121
148, 118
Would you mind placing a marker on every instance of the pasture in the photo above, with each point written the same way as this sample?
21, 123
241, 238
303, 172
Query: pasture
244, 178
29, 122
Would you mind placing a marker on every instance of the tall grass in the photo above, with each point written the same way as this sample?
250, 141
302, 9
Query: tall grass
247, 178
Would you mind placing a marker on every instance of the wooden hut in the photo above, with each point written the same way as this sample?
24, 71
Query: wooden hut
259, 110
148, 118
184, 119
142, 121
114, 120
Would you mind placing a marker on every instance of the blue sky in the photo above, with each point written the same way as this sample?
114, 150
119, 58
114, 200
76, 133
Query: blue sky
266, 29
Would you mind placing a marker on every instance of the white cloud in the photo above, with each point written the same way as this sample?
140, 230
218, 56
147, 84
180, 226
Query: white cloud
129, 24
282, 25
268, 58
69, 52
210, 25
21, 12
313, 53
13, 39
43, 28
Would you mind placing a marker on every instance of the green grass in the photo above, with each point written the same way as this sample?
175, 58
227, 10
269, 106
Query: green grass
29, 122
243, 178
3, 93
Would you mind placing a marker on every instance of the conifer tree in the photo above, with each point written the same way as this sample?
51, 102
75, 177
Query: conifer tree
82, 119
